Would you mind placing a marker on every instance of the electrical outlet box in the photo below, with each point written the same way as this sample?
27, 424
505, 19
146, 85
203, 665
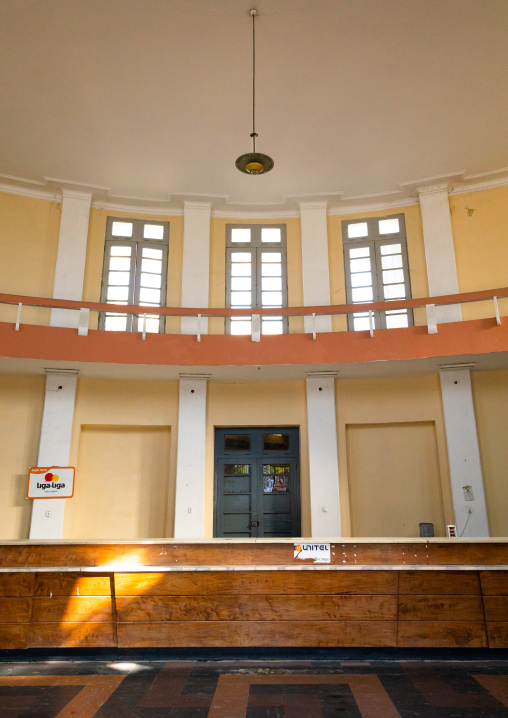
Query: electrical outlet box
468, 493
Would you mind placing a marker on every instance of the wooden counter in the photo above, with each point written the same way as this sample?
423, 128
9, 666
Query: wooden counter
385, 593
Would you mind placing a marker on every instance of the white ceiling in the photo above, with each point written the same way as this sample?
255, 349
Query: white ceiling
152, 98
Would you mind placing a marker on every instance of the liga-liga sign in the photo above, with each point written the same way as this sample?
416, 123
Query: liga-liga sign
51, 482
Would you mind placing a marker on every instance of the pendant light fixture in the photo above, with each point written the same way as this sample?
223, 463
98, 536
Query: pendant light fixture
254, 163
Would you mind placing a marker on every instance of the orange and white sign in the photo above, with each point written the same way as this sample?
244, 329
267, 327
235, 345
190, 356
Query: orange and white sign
51, 482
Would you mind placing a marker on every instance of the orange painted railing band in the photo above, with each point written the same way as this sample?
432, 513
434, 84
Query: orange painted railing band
414, 303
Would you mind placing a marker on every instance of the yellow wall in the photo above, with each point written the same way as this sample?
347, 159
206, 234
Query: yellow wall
415, 250
217, 294
21, 402
490, 393
95, 260
399, 402
480, 235
145, 413
257, 403
28, 247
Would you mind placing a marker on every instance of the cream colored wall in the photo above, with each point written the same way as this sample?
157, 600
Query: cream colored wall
29, 230
257, 403
21, 401
217, 293
95, 260
480, 236
415, 250
401, 401
147, 409
490, 394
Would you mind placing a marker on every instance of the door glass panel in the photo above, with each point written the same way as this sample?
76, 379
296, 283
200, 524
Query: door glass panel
240, 326
391, 249
360, 265
356, 252
120, 251
122, 229
237, 468
270, 234
359, 229
240, 234
275, 479
388, 226
275, 442
237, 442
153, 231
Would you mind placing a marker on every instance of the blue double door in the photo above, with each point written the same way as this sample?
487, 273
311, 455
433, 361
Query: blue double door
257, 482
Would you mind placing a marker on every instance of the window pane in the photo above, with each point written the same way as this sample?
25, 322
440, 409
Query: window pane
118, 293
271, 257
240, 234
241, 257
271, 270
237, 442
121, 229
231, 469
242, 299
153, 231
116, 323
394, 321
391, 261
240, 326
359, 229
152, 323
120, 251
355, 252
151, 265
272, 327
394, 291
361, 324
388, 226
363, 294
152, 253
150, 280
240, 270
275, 442
360, 265
271, 283
119, 278
270, 234
361, 279
392, 276
391, 249
120, 263
150, 295
240, 283
271, 299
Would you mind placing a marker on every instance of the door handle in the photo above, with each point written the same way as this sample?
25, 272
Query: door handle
253, 524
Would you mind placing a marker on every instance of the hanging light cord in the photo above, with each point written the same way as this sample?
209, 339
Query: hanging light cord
253, 135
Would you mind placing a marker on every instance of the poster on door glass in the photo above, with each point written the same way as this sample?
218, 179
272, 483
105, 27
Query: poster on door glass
275, 482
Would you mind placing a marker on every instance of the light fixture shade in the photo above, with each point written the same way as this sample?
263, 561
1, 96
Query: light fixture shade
254, 163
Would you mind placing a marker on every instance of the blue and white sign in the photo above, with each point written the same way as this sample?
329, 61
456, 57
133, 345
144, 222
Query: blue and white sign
318, 552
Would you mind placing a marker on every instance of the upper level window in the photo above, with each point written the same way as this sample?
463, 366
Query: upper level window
376, 266
135, 272
256, 275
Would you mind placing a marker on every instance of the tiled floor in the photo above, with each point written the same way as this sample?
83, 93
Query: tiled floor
254, 689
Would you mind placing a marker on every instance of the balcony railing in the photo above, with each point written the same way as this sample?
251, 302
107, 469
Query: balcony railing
428, 304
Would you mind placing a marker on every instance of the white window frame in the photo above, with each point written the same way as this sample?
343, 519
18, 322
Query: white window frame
375, 240
137, 242
256, 247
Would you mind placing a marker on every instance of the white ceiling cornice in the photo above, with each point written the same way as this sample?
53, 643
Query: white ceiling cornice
338, 203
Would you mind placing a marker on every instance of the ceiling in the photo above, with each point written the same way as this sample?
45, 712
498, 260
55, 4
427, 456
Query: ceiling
152, 98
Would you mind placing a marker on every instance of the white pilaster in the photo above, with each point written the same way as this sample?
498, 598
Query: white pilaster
54, 449
463, 453
323, 456
70, 261
439, 250
316, 275
196, 263
190, 463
